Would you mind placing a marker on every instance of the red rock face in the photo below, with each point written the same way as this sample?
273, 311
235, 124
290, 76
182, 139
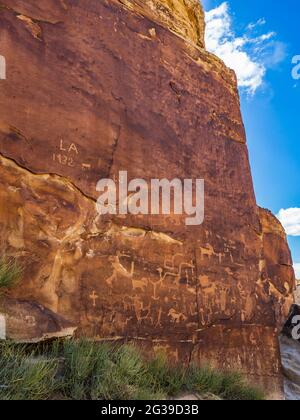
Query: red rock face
29, 322
93, 88
277, 266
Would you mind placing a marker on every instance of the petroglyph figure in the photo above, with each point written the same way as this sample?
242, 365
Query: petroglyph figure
140, 284
177, 317
178, 270
182, 272
94, 298
209, 252
119, 269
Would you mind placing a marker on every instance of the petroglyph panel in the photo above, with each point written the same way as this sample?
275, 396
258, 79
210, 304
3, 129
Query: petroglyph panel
137, 295
96, 110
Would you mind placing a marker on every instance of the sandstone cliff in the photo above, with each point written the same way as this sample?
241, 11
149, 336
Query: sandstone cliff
184, 17
98, 86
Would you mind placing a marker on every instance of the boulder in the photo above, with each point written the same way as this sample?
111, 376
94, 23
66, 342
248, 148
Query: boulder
29, 322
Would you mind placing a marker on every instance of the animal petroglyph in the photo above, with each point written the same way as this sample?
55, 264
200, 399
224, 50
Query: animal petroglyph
209, 252
140, 284
119, 269
176, 317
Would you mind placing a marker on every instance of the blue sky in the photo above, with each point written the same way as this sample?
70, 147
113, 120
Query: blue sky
259, 40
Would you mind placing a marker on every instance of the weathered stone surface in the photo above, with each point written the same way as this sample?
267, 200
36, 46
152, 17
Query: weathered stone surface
290, 353
195, 397
277, 266
184, 17
29, 322
93, 88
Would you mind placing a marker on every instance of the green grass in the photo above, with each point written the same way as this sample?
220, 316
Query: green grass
10, 274
226, 385
23, 376
83, 370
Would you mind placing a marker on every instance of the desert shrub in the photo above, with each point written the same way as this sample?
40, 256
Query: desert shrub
23, 376
86, 370
170, 378
227, 385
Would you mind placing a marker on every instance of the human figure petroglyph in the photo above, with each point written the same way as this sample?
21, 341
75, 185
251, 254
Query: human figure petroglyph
94, 297
223, 297
206, 297
158, 323
156, 284
142, 312
215, 298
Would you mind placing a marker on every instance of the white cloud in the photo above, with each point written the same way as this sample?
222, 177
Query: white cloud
290, 219
250, 54
297, 270
259, 22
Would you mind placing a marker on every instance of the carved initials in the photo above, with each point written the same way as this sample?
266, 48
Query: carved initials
72, 148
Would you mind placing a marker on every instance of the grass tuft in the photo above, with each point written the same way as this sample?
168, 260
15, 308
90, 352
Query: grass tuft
23, 376
10, 274
226, 385
171, 379
92, 371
